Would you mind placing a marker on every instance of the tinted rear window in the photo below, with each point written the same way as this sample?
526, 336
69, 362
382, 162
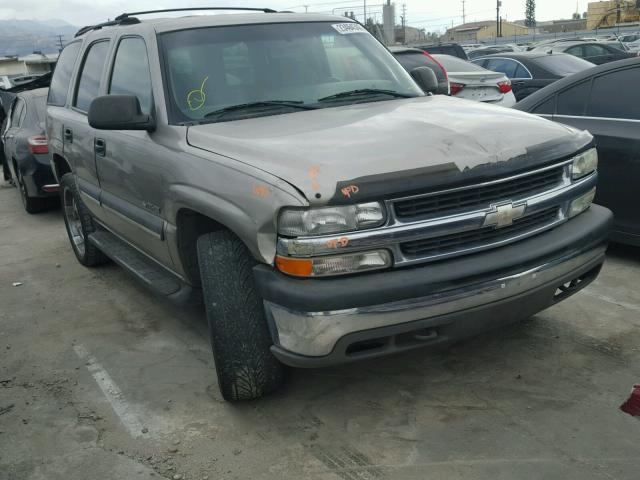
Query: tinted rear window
563, 65
607, 100
455, 64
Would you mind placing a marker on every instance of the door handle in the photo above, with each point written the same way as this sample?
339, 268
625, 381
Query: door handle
68, 135
100, 147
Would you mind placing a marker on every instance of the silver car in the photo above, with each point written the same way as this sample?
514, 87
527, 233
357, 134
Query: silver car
471, 81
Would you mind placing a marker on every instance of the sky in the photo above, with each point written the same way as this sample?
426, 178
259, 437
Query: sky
432, 15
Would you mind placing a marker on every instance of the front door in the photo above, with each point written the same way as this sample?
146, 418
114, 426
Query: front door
129, 163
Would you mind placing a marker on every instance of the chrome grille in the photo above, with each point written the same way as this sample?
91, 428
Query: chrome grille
469, 198
453, 222
481, 238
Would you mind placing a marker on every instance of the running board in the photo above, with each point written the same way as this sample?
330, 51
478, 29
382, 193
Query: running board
149, 273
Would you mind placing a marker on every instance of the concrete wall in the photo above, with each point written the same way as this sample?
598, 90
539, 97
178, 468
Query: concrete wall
12, 67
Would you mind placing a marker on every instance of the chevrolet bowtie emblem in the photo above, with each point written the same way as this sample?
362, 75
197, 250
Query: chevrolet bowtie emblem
503, 215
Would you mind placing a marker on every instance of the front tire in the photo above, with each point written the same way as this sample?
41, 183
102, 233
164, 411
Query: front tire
238, 328
79, 223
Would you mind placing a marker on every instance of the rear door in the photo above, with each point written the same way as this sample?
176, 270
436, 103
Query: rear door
78, 135
608, 108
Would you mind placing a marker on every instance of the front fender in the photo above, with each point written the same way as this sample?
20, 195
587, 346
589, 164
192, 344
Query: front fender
247, 205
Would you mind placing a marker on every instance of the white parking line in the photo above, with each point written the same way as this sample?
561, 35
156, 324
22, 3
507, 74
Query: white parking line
112, 392
604, 298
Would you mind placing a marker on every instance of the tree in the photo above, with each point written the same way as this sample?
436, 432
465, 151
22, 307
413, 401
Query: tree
530, 14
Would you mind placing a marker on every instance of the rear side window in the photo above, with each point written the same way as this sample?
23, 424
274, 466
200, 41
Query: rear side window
131, 74
547, 107
562, 64
90, 75
62, 75
616, 95
522, 72
573, 101
503, 65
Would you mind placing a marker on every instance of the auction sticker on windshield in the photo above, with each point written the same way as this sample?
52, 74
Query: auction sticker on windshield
345, 28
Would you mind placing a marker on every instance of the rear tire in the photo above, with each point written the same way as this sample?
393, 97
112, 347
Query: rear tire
79, 223
238, 328
31, 204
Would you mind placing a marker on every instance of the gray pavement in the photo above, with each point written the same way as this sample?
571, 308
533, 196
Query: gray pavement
100, 379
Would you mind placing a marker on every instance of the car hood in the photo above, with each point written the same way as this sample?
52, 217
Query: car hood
388, 148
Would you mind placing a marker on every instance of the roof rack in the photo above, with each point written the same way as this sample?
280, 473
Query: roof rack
129, 19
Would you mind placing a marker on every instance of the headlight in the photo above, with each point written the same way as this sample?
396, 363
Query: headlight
328, 220
334, 264
581, 203
584, 164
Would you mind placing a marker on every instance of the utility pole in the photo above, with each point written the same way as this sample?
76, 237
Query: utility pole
60, 43
306, 8
498, 26
464, 13
365, 11
404, 23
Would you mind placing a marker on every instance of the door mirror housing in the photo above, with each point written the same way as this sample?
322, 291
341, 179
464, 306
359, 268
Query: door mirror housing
119, 112
426, 79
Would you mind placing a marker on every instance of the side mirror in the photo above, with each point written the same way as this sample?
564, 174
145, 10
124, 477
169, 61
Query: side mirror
426, 79
119, 112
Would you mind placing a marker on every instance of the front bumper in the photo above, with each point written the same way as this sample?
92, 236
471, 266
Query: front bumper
318, 322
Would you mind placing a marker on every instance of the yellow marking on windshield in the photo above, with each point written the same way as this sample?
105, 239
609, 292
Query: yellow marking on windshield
197, 97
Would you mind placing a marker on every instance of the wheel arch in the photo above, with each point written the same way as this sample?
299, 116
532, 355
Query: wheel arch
60, 166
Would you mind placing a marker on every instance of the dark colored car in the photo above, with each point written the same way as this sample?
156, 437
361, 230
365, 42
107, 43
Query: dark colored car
531, 71
412, 58
594, 52
606, 102
452, 49
26, 150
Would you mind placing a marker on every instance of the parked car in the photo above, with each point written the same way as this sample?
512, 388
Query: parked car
629, 38
484, 51
594, 52
412, 58
605, 101
288, 168
470, 81
531, 71
26, 151
7, 82
452, 49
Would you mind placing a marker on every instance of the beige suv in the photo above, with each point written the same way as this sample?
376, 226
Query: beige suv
286, 168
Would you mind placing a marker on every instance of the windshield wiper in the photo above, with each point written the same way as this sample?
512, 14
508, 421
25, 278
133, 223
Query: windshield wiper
299, 104
365, 91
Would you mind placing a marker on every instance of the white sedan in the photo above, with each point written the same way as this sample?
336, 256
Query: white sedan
470, 81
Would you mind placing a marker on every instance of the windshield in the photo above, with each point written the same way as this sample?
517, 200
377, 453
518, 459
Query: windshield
209, 69
562, 64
